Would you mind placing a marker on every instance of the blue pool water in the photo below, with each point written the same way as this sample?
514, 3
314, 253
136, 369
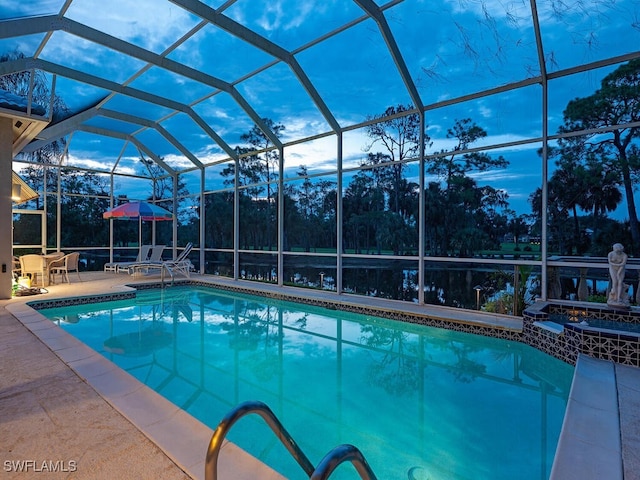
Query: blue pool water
417, 401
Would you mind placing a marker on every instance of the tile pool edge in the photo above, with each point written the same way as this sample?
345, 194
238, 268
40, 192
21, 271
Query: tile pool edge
475, 322
180, 436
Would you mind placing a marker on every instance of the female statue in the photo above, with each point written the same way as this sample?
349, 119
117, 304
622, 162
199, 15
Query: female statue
617, 262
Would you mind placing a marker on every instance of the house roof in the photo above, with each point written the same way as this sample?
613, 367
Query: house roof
20, 191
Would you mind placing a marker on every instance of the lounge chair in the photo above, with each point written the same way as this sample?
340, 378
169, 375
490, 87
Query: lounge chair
154, 258
66, 264
181, 264
143, 256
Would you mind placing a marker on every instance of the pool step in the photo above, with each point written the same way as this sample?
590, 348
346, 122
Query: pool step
589, 447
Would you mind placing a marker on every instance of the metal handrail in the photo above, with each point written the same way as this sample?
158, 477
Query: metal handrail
260, 408
339, 455
162, 268
333, 459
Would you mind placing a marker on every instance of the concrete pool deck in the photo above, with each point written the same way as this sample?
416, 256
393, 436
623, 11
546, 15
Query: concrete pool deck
65, 407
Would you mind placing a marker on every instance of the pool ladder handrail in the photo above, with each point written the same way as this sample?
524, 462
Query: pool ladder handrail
162, 268
331, 461
337, 456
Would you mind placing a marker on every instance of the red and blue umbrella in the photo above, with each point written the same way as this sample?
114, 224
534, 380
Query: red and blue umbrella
141, 211
138, 211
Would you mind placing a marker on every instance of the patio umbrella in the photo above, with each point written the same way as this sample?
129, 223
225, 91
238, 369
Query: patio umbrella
138, 211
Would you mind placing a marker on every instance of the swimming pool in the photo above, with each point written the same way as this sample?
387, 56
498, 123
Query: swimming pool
436, 403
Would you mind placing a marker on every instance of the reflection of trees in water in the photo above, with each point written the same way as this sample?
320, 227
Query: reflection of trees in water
398, 372
264, 364
245, 334
252, 325
253, 329
464, 370
400, 367
452, 286
301, 321
399, 357
256, 327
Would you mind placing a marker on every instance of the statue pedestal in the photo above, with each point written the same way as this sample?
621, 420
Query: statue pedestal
619, 304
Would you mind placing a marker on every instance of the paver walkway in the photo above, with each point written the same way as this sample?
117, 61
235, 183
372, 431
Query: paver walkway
53, 425
628, 383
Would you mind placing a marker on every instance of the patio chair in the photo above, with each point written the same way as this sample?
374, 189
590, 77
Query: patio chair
181, 264
33, 265
16, 269
143, 255
154, 258
66, 264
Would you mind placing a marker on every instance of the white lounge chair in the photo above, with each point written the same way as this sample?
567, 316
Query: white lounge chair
181, 264
155, 256
143, 256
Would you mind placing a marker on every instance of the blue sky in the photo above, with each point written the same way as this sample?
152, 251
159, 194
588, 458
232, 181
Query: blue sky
451, 48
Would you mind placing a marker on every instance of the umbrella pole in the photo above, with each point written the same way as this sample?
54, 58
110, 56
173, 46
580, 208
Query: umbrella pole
111, 240
139, 232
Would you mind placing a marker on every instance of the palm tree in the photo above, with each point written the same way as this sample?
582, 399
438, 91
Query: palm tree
603, 191
616, 106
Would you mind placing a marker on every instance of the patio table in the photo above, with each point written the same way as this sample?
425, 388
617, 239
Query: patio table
48, 260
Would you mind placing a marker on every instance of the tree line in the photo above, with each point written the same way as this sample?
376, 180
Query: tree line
595, 172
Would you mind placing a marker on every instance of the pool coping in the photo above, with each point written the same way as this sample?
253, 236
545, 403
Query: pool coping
592, 406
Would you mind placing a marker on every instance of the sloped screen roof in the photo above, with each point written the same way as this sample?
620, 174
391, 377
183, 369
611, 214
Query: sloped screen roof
182, 80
